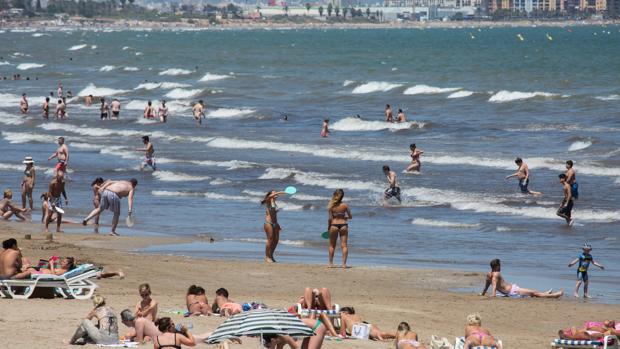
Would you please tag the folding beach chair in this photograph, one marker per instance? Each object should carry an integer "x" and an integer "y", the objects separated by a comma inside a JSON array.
[
  {"x": 460, "y": 344},
  {"x": 333, "y": 314},
  {"x": 74, "y": 284},
  {"x": 609, "y": 342}
]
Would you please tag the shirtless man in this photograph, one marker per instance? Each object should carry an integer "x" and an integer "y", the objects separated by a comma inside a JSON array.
[
  {"x": 111, "y": 193},
  {"x": 8, "y": 209},
  {"x": 88, "y": 100},
  {"x": 163, "y": 112},
  {"x": 523, "y": 174},
  {"x": 494, "y": 278},
  {"x": 116, "y": 108},
  {"x": 23, "y": 104},
  {"x": 388, "y": 113},
  {"x": 401, "y": 116},
  {"x": 199, "y": 112},
  {"x": 62, "y": 155},
  {"x": 46, "y": 108},
  {"x": 393, "y": 190},
  {"x": 104, "y": 109},
  {"x": 149, "y": 111},
  {"x": 571, "y": 179},
  {"x": 11, "y": 261},
  {"x": 149, "y": 151},
  {"x": 61, "y": 110},
  {"x": 566, "y": 207},
  {"x": 348, "y": 318},
  {"x": 56, "y": 189}
]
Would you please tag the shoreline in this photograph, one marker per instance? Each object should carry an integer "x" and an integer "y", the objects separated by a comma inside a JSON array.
[{"x": 384, "y": 296}]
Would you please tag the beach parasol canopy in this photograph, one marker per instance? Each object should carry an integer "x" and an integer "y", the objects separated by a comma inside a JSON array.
[{"x": 259, "y": 322}]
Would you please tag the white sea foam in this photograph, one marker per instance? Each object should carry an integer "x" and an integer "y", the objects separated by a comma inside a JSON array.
[
  {"x": 148, "y": 86},
  {"x": 38, "y": 35},
  {"x": 10, "y": 119},
  {"x": 4, "y": 63},
  {"x": 76, "y": 47},
  {"x": 180, "y": 93},
  {"x": 579, "y": 145},
  {"x": 107, "y": 68},
  {"x": 219, "y": 181},
  {"x": 608, "y": 98},
  {"x": 262, "y": 241},
  {"x": 213, "y": 77},
  {"x": 125, "y": 48},
  {"x": 135, "y": 105},
  {"x": 140, "y": 54},
  {"x": 229, "y": 113},
  {"x": 131, "y": 69},
  {"x": 26, "y": 66},
  {"x": 168, "y": 176},
  {"x": 442, "y": 224},
  {"x": 91, "y": 89},
  {"x": 428, "y": 90},
  {"x": 11, "y": 167},
  {"x": 356, "y": 124},
  {"x": 509, "y": 96},
  {"x": 26, "y": 137},
  {"x": 375, "y": 86},
  {"x": 86, "y": 146},
  {"x": 461, "y": 94},
  {"x": 320, "y": 179},
  {"x": 171, "y": 85},
  {"x": 175, "y": 72},
  {"x": 174, "y": 193},
  {"x": 100, "y": 132},
  {"x": 347, "y": 83},
  {"x": 93, "y": 47}
]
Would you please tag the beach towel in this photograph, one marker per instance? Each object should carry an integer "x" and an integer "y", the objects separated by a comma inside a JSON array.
[
  {"x": 440, "y": 343},
  {"x": 122, "y": 344}
]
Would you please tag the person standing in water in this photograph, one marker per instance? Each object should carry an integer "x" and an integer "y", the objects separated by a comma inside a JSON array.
[
  {"x": 401, "y": 116},
  {"x": 149, "y": 111},
  {"x": 415, "y": 165},
  {"x": 23, "y": 104},
  {"x": 339, "y": 214},
  {"x": 571, "y": 179},
  {"x": 271, "y": 226},
  {"x": 523, "y": 175},
  {"x": 59, "y": 91},
  {"x": 116, "y": 108},
  {"x": 61, "y": 154},
  {"x": 61, "y": 110},
  {"x": 28, "y": 182},
  {"x": 46, "y": 108},
  {"x": 163, "y": 112},
  {"x": 105, "y": 109},
  {"x": 389, "y": 117},
  {"x": 149, "y": 151},
  {"x": 198, "y": 111},
  {"x": 325, "y": 128},
  {"x": 56, "y": 189},
  {"x": 88, "y": 100},
  {"x": 393, "y": 191},
  {"x": 111, "y": 193},
  {"x": 566, "y": 207}
]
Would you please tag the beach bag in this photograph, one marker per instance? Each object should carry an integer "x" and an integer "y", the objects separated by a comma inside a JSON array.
[
  {"x": 360, "y": 331},
  {"x": 440, "y": 343}
]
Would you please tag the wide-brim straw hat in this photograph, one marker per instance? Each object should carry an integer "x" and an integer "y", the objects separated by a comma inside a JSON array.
[{"x": 28, "y": 160}]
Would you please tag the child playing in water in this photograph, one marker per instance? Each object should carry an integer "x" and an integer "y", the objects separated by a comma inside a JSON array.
[
  {"x": 325, "y": 129},
  {"x": 147, "y": 307},
  {"x": 584, "y": 261}
]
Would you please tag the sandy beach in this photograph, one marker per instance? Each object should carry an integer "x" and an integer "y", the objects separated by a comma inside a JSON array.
[{"x": 384, "y": 296}]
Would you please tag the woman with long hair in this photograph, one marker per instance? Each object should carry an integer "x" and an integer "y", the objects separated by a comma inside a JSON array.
[
  {"x": 406, "y": 338},
  {"x": 99, "y": 327},
  {"x": 337, "y": 225},
  {"x": 271, "y": 226},
  {"x": 476, "y": 335},
  {"x": 28, "y": 182},
  {"x": 171, "y": 337},
  {"x": 415, "y": 165}
]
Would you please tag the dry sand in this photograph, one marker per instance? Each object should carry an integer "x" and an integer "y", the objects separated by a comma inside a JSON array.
[{"x": 384, "y": 296}]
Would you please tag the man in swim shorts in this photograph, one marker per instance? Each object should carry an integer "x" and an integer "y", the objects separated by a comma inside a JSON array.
[
  {"x": 111, "y": 193},
  {"x": 61, "y": 154},
  {"x": 46, "y": 108},
  {"x": 523, "y": 175},
  {"x": 394, "y": 190},
  {"x": 149, "y": 151},
  {"x": 566, "y": 207},
  {"x": 61, "y": 109},
  {"x": 56, "y": 188},
  {"x": 116, "y": 108},
  {"x": 389, "y": 117},
  {"x": 198, "y": 111},
  {"x": 23, "y": 104},
  {"x": 494, "y": 278},
  {"x": 104, "y": 109},
  {"x": 571, "y": 179}
]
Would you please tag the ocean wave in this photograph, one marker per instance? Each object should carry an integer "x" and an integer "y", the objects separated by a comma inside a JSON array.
[
  {"x": 179, "y": 93},
  {"x": 509, "y": 96},
  {"x": 11, "y": 167},
  {"x": 442, "y": 224},
  {"x": 263, "y": 241},
  {"x": 219, "y": 181},
  {"x": 101, "y": 132},
  {"x": 125, "y": 48},
  {"x": 168, "y": 176},
  {"x": 167, "y": 193},
  {"x": 347, "y": 83},
  {"x": 428, "y": 90},
  {"x": 107, "y": 68},
  {"x": 26, "y": 137},
  {"x": 9, "y": 119},
  {"x": 86, "y": 146},
  {"x": 93, "y": 47},
  {"x": 460, "y": 94},
  {"x": 320, "y": 180},
  {"x": 171, "y": 85},
  {"x": 579, "y": 145},
  {"x": 608, "y": 98},
  {"x": 91, "y": 89},
  {"x": 175, "y": 72},
  {"x": 131, "y": 69},
  {"x": 4, "y": 63},
  {"x": 356, "y": 124},
  {"x": 26, "y": 66},
  {"x": 76, "y": 47},
  {"x": 147, "y": 86},
  {"x": 213, "y": 77},
  {"x": 229, "y": 113},
  {"x": 375, "y": 86},
  {"x": 38, "y": 35}
]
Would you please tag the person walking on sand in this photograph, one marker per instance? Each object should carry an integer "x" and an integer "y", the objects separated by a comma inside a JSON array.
[
  {"x": 566, "y": 207},
  {"x": 28, "y": 182},
  {"x": 523, "y": 175},
  {"x": 494, "y": 278},
  {"x": 23, "y": 104},
  {"x": 401, "y": 116},
  {"x": 111, "y": 193},
  {"x": 56, "y": 188},
  {"x": 271, "y": 226},
  {"x": 162, "y": 112},
  {"x": 46, "y": 108},
  {"x": 198, "y": 111},
  {"x": 104, "y": 109},
  {"x": 149, "y": 151},
  {"x": 389, "y": 117},
  {"x": 415, "y": 165},
  {"x": 584, "y": 260},
  {"x": 393, "y": 191},
  {"x": 61, "y": 154},
  {"x": 325, "y": 128},
  {"x": 339, "y": 214},
  {"x": 116, "y": 108},
  {"x": 149, "y": 111}
]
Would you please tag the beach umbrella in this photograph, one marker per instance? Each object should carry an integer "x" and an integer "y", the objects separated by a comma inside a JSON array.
[{"x": 259, "y": 322}]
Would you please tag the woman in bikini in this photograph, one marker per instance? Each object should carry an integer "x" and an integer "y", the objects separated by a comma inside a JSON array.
[
  {"x": 476, "y": 335},
  {"x": 325, "y": 128},
  {"x": 406, "y": 338},
  {"x": 271, "y": 226},
  {"x": 66, "y": 264},
  {"x": 196, "y": 300},
  {"x": 105, "y": 328},
  {"x": 348, "y": 318},
  {"x": 147, "y": 306},
  {"x": 338, "y": 215},
  {"x": 591, "y": 330},
  {"x": 170, "y": 337},
  {"x": 415, "y": 165},
  {"x": 28, "y": 182}
]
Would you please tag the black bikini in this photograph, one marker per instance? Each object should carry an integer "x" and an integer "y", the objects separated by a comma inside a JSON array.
[{"x": 168, "y": 345}]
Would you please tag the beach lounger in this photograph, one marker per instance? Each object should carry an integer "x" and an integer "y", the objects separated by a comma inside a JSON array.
[
  {"x": 609, "y": 342},
  {"x": 74, "y": 284},
  {"x": 333, "y": 314},
  {"x": 460, "y": 344}
]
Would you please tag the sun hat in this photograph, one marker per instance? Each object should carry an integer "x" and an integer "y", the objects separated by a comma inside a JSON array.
[{"x": 28, "y": 160}]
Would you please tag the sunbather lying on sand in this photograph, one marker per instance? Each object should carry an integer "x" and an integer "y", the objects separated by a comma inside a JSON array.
[
  {"x": 319, "y": 299},
  {"x": 590, "y": 330},
  {"x": 225, "y": 306},
  {"x": 348, "y": 318},
  {"x": 196, "y": 300},
  {"x": 272, "y": 341},
  {"x": 494, "y": 278},
  {"x": 476, "y": 335},
  {"x": 406, "y": 338}
]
